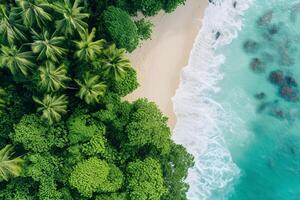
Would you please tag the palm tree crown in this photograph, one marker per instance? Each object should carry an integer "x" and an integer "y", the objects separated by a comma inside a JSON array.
[
  {"x": 9, "y": 167},
  {"x": 52, "y": 78},
  {"x": 33, "y": 12},
  {"x": 48, "y": 46},
  {"x": 11, "y": 28},
  {"x": 72, "y": 17},
  {"x": 2, "y": 99},
  {"x": 52, "y": 107},
  {"x": 15, "y": 60},
  {"x": 114, "y": 62},
  {"x": 87, "y": 48},
  {"x": 91, "y": 89}
]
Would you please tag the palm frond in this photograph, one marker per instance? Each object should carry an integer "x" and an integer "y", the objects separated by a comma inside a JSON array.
[
  {"x": 48, "y": 46},
  {"x": 52, "y": 107},
  {"x": 11, "y": 27},
  {"x": 9, "y": 168},
  {"x": 91, "y": 88},
  {"x": 114, "y": 63},
  {"x": 72, "y": 17},
  {"x": 16, "y": 60},
  {"x": 34, "y": 12},
  {"x": 51, "y": 78},
  {"x": 87, "y": 49}
]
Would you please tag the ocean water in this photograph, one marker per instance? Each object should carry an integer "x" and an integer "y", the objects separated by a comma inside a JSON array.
[{"x": 238, "y": 104}]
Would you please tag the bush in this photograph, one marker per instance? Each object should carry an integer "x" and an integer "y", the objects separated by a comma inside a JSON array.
[
  {"x": 32, "y": 134},
  {"x": 89, "y": 176},
  {"x": 171, "y": 5},
  {"x": 126, "y": 85},
  {"x": 121, "y": 28},
  {"x": 144, "y": 29},
  {"x": 149, "y": 7},
  {"x": 145, "y": 180}
]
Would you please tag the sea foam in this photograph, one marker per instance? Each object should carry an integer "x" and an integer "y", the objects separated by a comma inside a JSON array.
[{"x": 200, "y": 119}]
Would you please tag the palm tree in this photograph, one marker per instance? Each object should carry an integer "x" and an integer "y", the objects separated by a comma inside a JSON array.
[
  {"x": 9, "y": 167},
  {"x": 11, "y": 28},
  {"x": 72, "y": 17},
  {"x": 87, "y": 48},
  {"x": 91, "y": 89},
  {"x": 48, "y": 46},
  {"x": 33, "y": 12},
  {"x": 52, "y": 78},
  {"x": 16, "y": 60},
  {"x": 114, "y": 63},
  {"x": 52, "y": 107},
  {"x": 2, "y": 98}
]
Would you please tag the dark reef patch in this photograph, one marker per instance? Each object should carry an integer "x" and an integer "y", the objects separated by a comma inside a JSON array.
[
  {"x": 257, "y": 65},
  {"x": 277, "y": 77},
  {"x": 265, "y": 19},
  {"x": 260, "y": 96},
  {"x": 250, "y": 46}
]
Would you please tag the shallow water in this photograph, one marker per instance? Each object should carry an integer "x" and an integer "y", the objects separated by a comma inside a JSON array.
[{"x": 264, "y": 140}]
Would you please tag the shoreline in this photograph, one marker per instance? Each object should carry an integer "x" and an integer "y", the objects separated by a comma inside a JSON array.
[
  {"x": 159, "y": 61},
  {"x": 201, "y": 119}
]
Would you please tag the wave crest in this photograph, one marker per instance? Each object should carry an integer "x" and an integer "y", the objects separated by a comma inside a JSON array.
[{"x": 200, "y": 119}]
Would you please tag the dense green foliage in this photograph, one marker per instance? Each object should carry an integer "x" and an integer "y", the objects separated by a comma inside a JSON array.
[
  {"x": 64, "y": 72},
  {"x": 144, "y": 29},
  {"x": 145, "y": 180},
  {"x": 121, "y": 28}
]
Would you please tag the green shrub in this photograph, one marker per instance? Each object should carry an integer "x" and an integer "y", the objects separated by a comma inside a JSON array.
[
  {"x": 145, "y": 180},
  {"x": 144, "y": 29},
  {"x": 121, "y": 28},
  {"x": 149, "y": 7},
  {"x": 89, "y": 176},
  {"x": 171, "y": 5},
  {"x": 126, "y": 85}
]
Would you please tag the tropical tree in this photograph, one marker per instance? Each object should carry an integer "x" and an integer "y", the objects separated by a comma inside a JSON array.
[
  {"x": 34, "y": 12},
  {"x": 121, "y": 28},
  {"x": 52, "y": 107},
  {"x": 91, "y": 89},
  {"x": 11, "y": 28},
  {"x": 52, "y": 78},
  {"x": 16, "y": 60},
  {"x": 114, "y": 63},
  {"x": 72, "y": 17},
  {"x": 48, "y": 46},
  {"x": 2, "y": 98},
  {"x": 9, "y": 167},
  {"x": 87, "y": 48}
]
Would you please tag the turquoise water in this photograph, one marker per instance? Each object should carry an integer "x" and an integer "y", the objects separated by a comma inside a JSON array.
[{"x": 264, "y": 139}]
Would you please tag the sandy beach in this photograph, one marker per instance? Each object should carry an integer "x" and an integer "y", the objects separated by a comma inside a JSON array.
[{"x": 159, "y": 61}]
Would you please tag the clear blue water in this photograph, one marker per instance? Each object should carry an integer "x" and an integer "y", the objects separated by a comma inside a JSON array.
[{"x": 265, "y": 141}]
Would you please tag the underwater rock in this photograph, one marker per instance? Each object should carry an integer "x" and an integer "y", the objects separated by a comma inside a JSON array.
[
  {"x": 250, "y": 46},
  {"x": 291, "y": 81},
  {"x": 234, "y": 4},
  {"x": 289, "y": 93},
  {"x": 279, "y": 113},
  {"x": 218, "y": 34},
  {"x": 277, "y": 77},
  {"x": 273, "y": 29},
  {"x": 265, "y": 19},
  {"x": 260, "y": 96},
  {"x": 257, "y": 65}
]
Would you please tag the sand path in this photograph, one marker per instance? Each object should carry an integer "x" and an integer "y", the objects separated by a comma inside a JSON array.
[{"x": 159, "y": 61}]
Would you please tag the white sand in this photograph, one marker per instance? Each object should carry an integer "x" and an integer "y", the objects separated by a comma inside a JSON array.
[{"x": 159, "y": 61}]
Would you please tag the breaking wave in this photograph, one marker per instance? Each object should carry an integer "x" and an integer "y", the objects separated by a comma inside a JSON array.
[{"x": 201, "y": 119}]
